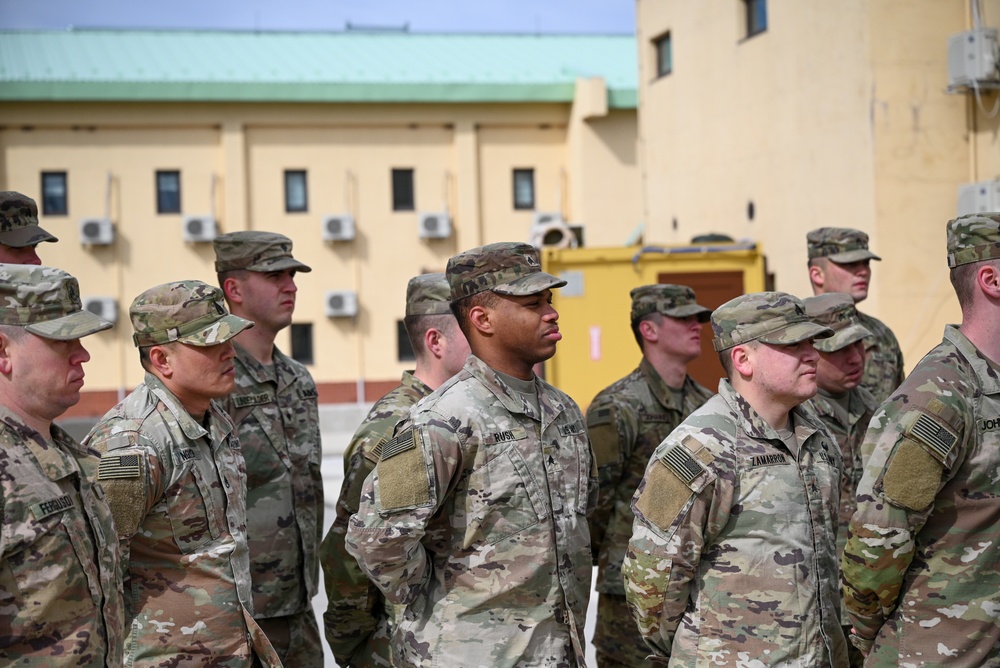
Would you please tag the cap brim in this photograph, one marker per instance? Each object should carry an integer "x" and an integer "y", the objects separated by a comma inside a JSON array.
[
  {"x": 218, "y": 332},
  {"x": 704, "y": 314},
  {"x": 843, "y": 338},
  {"x": 280, "y": 264},
  {"x": 796, "y": 333},
  {"x": 529, "y": 285},
  {"x": 29, "y": 235},
  {"x": 853, "y": 256},
  {"x": 73, "y": 326}
]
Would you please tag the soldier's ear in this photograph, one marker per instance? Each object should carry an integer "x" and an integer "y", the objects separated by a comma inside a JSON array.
[
  {"x": 481, "y": 320},
  {"x": 160, "y": 361},
  {"x": 432, "y": 341},
  {"x": 647, "y": 330},
  {"x": 742, "y": 360},
  {"x": 5, "y": 361},
  {"x": 988, "y": 279},
  {"x": 233, "y": 290},
  {"x": 816, "y": 275}
]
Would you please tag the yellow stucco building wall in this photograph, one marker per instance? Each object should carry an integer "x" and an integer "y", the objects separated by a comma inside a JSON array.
[
  {"x": 836, "y": 115},
  {"x": 232, "y": 158}
]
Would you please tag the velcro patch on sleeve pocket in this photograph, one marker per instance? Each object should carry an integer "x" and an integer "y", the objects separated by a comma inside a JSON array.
[
  {"x": 672, "y": 481},
  {"x": 403, "y": 479},
  {"x": 912, "y": 478},
  {"x": 602, "y": 427},
  {"x": 121, "y": 475}
]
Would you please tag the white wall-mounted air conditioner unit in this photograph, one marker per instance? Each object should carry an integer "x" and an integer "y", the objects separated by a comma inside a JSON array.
[
  {"x": 97, "y": 232},
  {"x": 981, "y": 197},
  {"x": 338, "y": 227},
  {"x": 972, "y": 57},
  {"x": 102, "y": 307},
  {"x": 553, "y": 234},
  {"x": 435, "y": 226},
  {"x": 546, "y": 217},
  {"x": 199, "y": 228},
  {"x": 341, "y": 303}
]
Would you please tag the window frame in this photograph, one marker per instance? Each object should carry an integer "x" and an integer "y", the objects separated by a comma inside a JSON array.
[
  {"x": 48, "y": 210},
  {"x": 296, "y": 332},
  {"x": 530, "y": 173},
  {"x": 754, "y": 9},
  {"x": 664, "y": 39},
  {"x": 398, "y": 187},
  {"x": 161, "y": 207},
  {"x": 404, "y": 347},
  {"x": 304, "y": 174}
]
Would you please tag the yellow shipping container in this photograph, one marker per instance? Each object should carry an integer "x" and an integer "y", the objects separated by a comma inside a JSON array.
[{"x": 598, "y": 347}]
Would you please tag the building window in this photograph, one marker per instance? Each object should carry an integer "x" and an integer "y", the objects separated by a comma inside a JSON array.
[
  {"x": 524, "y": 189},
  {"x": 54, "y": 197},
  {"x": 302, "y": 343},
  {"x": 404, "y": 351},
  {"x": 664, "y": 55},
  {"x": 168, "y": 192},
  {"x": 756, "y": 16},
  {"x": 296, "y": 194},
  {"x": 402, "y": 190}
]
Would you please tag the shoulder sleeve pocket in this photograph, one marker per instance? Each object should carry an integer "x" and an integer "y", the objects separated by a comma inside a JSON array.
[{"x": 403, "y": 479}]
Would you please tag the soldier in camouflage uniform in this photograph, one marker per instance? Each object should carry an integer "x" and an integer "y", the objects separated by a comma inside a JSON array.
[
  {"x": 19, "y": 230},
  {"x": 732, "y": 560},
  {"x": 839, "y": 261},
  {"x": 626, "y": 422},
  {"x": 357, "y": 620},
  {"x": 274, "y": 408},
  {"x": 176, "y": 483},
  {"x": 60, "y": 591},
  {"x": 842, "y": 404},
  {"x": 475, "y": 518},
  {"x": 920, "y": 566}
]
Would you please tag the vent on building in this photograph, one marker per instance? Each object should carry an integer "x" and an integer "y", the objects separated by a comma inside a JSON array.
[
  {"x": 435, "y": 226},
  {"x": 199, "y": 228},
  {"x": 341, "y": 304},
  {"x": 102, "y": 307},
  {"x": 980, "y": 197},
  {"x": 97, "y": 231},
  {"x": 972, "y": 57},
  {"x": 338, "y": 228}
]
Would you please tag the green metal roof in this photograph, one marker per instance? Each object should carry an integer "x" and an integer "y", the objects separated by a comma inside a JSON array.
[{"x": 163, "y": 65}]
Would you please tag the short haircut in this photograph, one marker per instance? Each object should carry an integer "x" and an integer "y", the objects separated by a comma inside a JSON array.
[
  {"x": 144, "y": 358},
  {"x": 658, "y": 317},
  {"x": 963, "y": 279},
  {"x": 462, "y": 307},
  {"x": 238, "y": 274},
  {"x": 726, "y": 360},
  {"x": 417, "y": 327},
  {"x": 13, "y": 332}
]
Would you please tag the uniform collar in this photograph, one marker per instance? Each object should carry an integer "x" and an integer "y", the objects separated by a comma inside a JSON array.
[
  {"x": 219, "y": 428},
  {"x": 55, "y": 462},
  {"x": 989, "y": 378}
]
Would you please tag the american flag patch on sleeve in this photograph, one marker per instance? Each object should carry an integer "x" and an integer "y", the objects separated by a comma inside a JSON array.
[{"x": 118, "y": 466}]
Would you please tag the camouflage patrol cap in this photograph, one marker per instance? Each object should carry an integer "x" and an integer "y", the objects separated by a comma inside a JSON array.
[
  {"x": 255, "y": 251},
  {"x": 187, "y": 311},
  {"x": 836, "y": 311},
  {"x": 973, "y": 238},
  {"x": 428, "y": 294},
  {"x": 507, "y": 268},
  {"x": 839, "y": 244},
  {"x": 45, "y": 301},
  {"x": 19, "y": 221},
  {"x": 675, "y": 301},
  {"x": 777, "y": 318}
]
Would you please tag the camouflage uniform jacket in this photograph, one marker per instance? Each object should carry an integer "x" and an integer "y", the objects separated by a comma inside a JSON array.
[
  {"x": 733, "y": 558},
  {"x": 356, "y": 620},
  {"x": 626, "y": 421},
  {"x": 60, "y": 593},
  {"x": 476, "y": 519},
  {"x": 921, "y": 571},
  {"x": 277, "y": 421},
  {"x": 177, "y": 491},
  {"x": 883, "y": 359},
  {"x": 849, "y": 436}
]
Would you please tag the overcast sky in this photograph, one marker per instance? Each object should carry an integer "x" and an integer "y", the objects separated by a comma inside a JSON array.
[{"x": 517, "y": 16}]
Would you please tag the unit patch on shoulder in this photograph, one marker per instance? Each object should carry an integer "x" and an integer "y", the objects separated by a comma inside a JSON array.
[
  {"x": 244, "y": 400},
  {"x": 118, "y": 466},
  {"x": 934, "y": 435},
  {"x": 398, "y": 445},
  {"x": 679, "y": 460}
]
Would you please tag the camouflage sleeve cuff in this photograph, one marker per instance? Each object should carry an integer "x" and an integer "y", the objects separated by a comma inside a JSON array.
[{"x": 864, "y": 645}]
